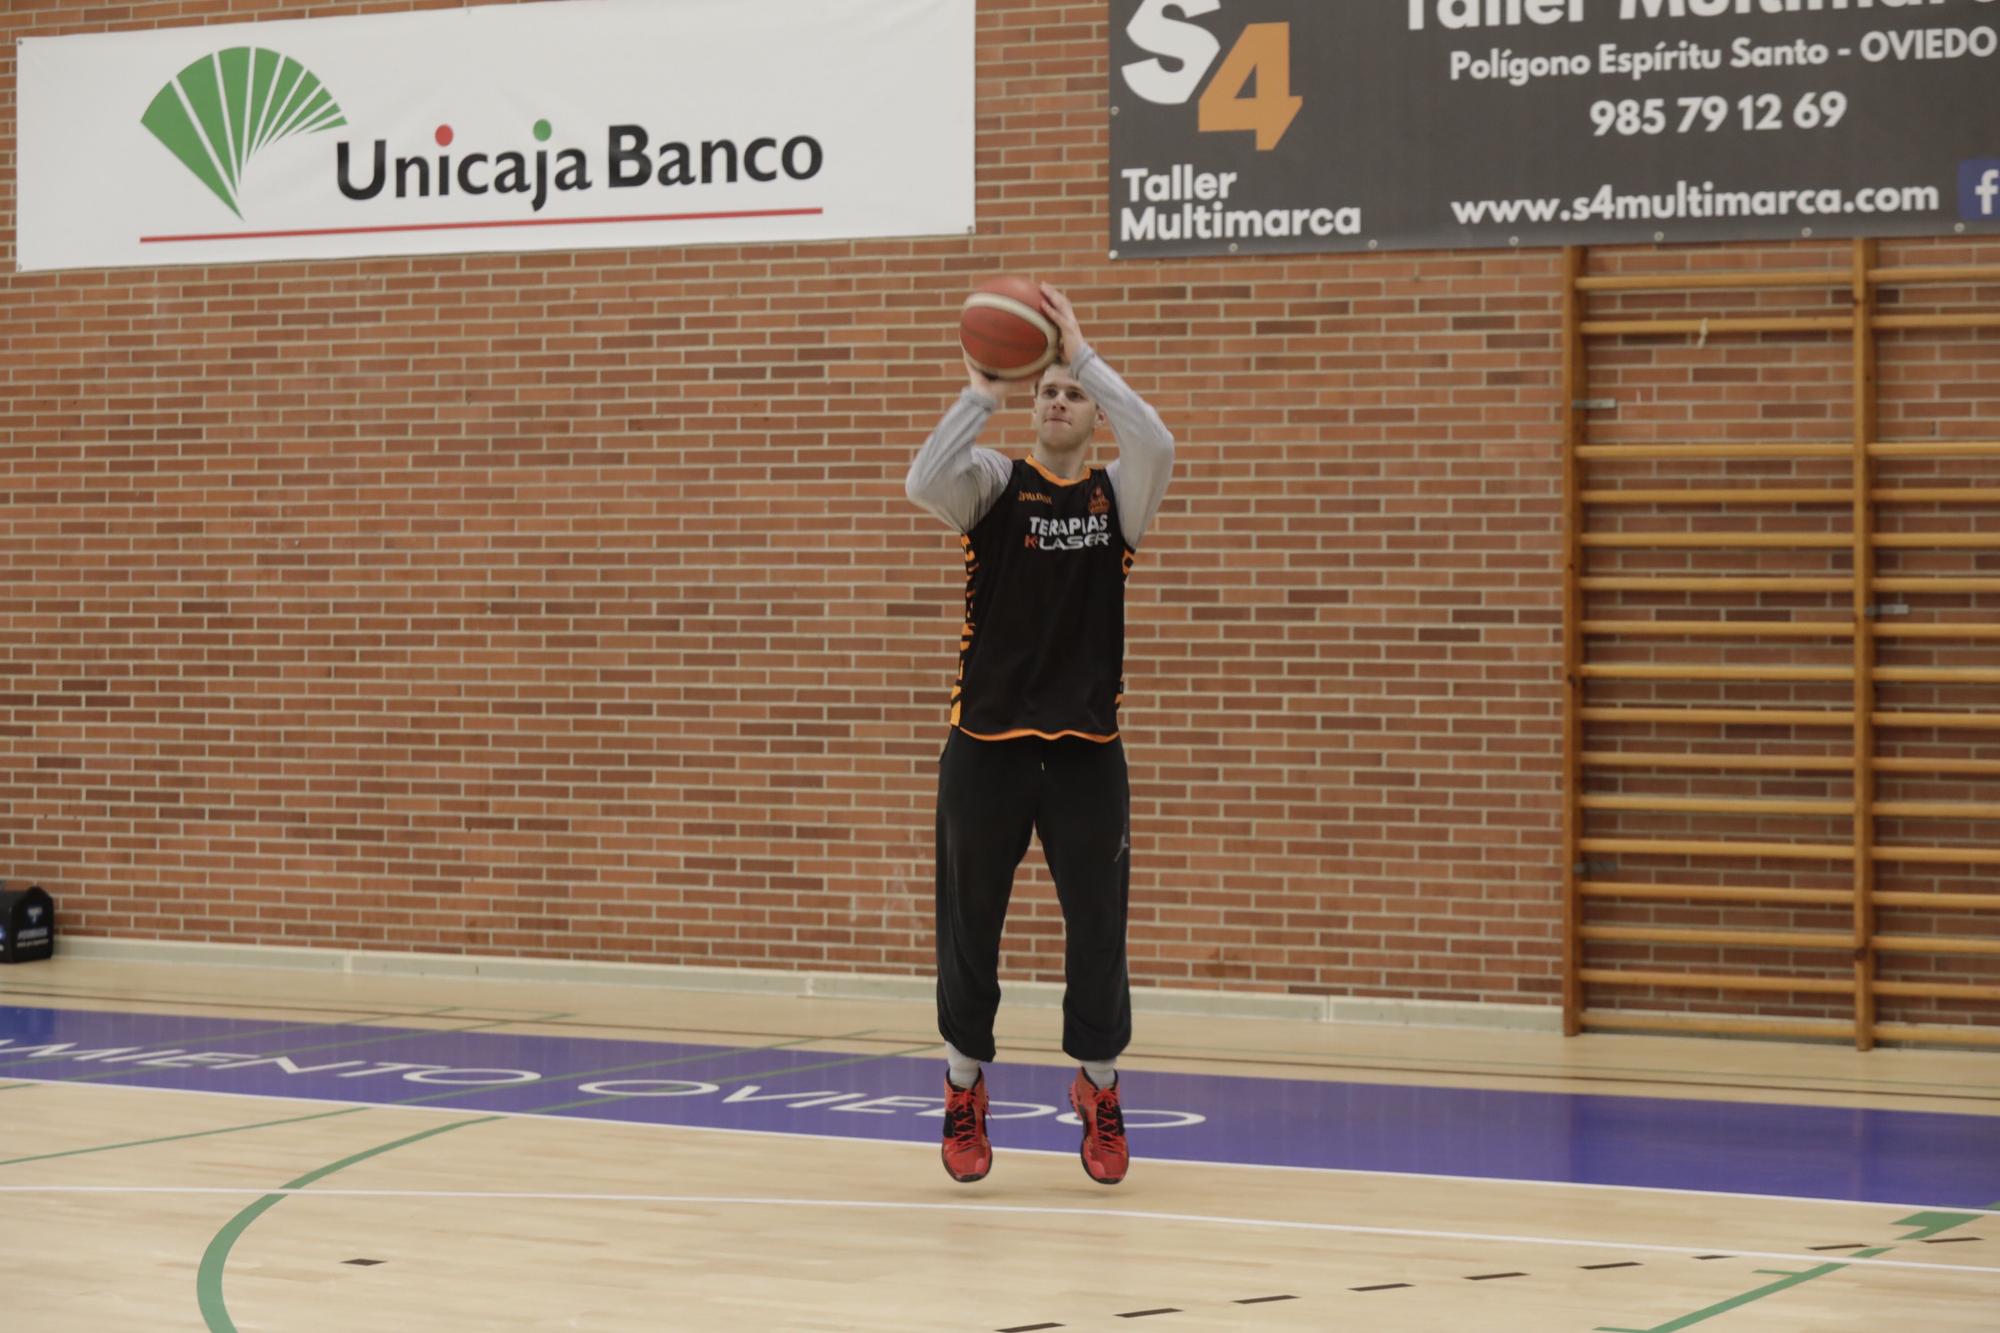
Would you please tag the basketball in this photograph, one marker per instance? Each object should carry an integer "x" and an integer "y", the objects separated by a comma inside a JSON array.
[{"x": 1003, "y": 330}]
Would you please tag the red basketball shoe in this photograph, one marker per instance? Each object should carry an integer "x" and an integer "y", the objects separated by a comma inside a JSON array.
[
  {"x": 1104, "y": 1155},
  {"x": 967, "y": 1154}
]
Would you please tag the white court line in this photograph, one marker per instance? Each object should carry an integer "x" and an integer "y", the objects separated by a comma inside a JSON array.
[
  {"x": 930, "y": 1145},
  {"x": 1093, "y": 1214}
]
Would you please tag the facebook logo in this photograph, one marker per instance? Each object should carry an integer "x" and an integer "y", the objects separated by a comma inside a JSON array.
[{"x": 1979, "y": 189}]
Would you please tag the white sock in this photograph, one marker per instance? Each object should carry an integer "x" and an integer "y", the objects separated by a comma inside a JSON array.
[
  {"x": 1104, "y": 1075},
  {"x": 964, "y": 1069}
]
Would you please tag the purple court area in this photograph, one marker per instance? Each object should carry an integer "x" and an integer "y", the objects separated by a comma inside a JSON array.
[{"x": 1900, "y": 1157}]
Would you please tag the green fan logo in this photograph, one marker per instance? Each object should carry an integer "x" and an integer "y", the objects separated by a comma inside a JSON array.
[{"x": 218, "y": 112}]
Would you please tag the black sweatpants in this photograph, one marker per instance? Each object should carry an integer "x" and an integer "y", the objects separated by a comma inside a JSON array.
[{"x": 991, "y": 795}]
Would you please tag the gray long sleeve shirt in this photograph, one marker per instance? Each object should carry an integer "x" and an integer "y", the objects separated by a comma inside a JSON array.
[{"x": 954, "y": 479}]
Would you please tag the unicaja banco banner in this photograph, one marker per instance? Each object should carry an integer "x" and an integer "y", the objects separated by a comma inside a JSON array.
[{"x": 569, "y": 125}]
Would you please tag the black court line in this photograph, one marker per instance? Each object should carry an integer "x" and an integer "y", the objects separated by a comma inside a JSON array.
[
  {"x": 1476, "y": 1277},
  {"x": 364, "y": 1263},
  {"x": 1141, "y": 1314}
]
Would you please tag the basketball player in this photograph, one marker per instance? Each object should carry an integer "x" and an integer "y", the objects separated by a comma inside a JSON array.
[{"x": 1033, "y": 745}]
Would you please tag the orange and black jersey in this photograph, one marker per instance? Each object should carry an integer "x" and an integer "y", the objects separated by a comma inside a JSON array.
[
  {"x": 1043, "y": 649},
  {"x": 1044, "y": 643}
]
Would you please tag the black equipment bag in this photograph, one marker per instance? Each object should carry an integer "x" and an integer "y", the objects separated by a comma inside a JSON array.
[{"x": 27, "y": 924}]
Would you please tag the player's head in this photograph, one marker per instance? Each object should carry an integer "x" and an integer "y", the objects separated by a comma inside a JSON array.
[{"x": 1065, "y": 413}]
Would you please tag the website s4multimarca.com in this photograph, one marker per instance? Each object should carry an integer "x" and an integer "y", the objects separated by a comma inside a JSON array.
[{"x": 1693, "y": 201}]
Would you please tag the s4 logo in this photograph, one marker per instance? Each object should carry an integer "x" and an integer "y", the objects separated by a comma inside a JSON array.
[{"x": 1262, "y": 53}]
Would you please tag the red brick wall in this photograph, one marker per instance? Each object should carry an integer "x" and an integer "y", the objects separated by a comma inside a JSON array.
[{"x": 568, "y": 605}]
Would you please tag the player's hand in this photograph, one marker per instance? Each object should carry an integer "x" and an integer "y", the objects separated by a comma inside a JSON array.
[
  {"x": 983, "y": 382},
  {"x": 1057, "y": 307}
]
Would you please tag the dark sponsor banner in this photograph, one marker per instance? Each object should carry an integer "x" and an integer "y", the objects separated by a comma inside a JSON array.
[{"x": 1302, "y": 125}]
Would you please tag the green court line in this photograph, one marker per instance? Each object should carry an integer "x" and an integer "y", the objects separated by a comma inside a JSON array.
[
  {"x": 1724, "y": 1307},
  {"x": 423, "y": 1099},
  {"x": 1929, "y": 1224},
  {"x": 1925, "y": 1224},
  {"x": 208, "y": 1280},
  {"x": 176, "y": 1138}
]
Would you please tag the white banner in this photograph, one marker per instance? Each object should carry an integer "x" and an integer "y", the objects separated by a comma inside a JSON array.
[{"x": 558, "y": 126}]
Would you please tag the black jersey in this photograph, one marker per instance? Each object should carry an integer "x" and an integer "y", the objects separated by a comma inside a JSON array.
[{"x": 1043, "y": 649}]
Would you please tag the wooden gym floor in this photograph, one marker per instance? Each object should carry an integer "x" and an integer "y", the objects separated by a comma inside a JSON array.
[{"x": 199, "y": 1147}]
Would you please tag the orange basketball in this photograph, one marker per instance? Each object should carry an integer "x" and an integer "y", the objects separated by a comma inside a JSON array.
[{"x": 1003, "y": 330}]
